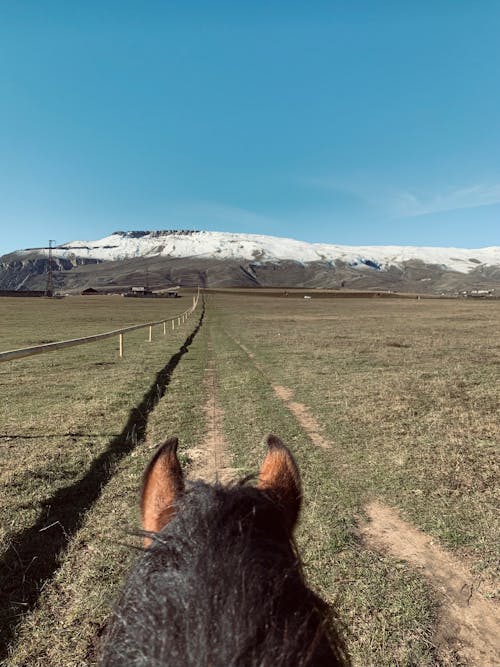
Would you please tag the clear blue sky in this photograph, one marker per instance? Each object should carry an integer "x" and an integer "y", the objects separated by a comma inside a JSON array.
[{"x": 345, "y": 122}]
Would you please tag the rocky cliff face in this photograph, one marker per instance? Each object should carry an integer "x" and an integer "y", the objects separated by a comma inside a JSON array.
[{"x": 29, "y": 271}]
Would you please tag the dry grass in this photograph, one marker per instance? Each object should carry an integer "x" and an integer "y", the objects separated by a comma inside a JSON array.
[
  {"x": 73, "y": 443},
  {"x": 406, "y": 393},
  {"x": 34, "y": 321}
]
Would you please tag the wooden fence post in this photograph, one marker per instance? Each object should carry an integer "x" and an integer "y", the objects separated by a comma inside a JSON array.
[
  {"x": 150, "y": 334},
  {"x": 164, "y": 328},
  {"x": 120, "y": 345}
]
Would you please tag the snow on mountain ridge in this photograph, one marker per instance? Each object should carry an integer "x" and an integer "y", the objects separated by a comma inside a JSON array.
[{"x": 254, "y": 247}]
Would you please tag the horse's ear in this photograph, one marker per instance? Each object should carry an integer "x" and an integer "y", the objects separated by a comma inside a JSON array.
[
  {"x": 163, "y": 483},
  {"x": 280, "y": 475}
]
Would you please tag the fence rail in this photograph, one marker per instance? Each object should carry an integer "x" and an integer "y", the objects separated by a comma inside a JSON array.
[{"x": 10, "y": 355}]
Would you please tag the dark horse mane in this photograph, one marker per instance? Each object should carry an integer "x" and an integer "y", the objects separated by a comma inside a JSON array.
[{"x": 221, "y": 585}]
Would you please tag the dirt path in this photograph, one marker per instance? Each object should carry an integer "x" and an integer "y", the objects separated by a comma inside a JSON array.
[
  {"x": 469, "y": 624},
  {"x": 303, "y": 416},
  {"x": 211, "y": 462}
]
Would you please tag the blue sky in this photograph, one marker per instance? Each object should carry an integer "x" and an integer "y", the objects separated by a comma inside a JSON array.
[{"x": 345, "y": 122}]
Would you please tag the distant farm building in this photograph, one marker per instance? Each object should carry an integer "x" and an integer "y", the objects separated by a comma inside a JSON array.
[
  {"x": 90, "y": 291},
  {"x": 481, "y": 293},
  {"x": 139, "y": 292}
]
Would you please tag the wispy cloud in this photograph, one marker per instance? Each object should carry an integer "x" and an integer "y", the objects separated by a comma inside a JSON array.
[
  {"x": 217, "y": 213},
  {"x": 408, "y": 205}
]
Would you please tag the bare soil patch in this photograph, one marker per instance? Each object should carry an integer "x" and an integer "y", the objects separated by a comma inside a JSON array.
[
  {"x": 303, "y": 415},
  {"x": 211, "y": 463},
  {"x": 469, "y": 624}
]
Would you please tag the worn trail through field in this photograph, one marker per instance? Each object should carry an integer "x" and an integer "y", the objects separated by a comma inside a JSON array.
[
  {"x": 469, "y": 624},
  {"x": 211, "y": 462}
]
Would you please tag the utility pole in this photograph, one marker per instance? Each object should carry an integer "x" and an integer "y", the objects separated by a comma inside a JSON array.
[{"x": 49, "y": 289}]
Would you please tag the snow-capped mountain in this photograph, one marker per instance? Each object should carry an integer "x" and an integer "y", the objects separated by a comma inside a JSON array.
[
  {"x": 254, "y": 247},
  {"x": 228, "y": 259}
]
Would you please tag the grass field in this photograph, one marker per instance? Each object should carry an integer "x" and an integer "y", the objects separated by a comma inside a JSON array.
[{"x": 401, "y": 395}]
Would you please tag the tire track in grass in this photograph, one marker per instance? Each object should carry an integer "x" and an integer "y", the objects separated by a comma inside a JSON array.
[
  {"x": 303, "y": 415},
  {"x": 211, "y": 462},
  {"x": 300, "y": 411},
  {"x": 469, "y": 624},
  {"x": 35, "y": 553}
]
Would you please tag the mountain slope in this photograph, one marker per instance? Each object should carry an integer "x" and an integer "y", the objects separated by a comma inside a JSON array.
[{"x": 225, "y": 259}]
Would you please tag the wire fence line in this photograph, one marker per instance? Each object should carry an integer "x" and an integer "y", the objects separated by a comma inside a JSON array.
[{"x": 11, "y": 355}]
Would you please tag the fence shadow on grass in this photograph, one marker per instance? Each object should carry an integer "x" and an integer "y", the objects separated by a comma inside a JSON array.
[{"x": 35, "y": 553}]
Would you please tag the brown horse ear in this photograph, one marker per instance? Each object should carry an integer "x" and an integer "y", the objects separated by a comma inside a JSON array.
[
  {"x": 162, "y": 484},
  {"x": 280, "y": 475}
]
